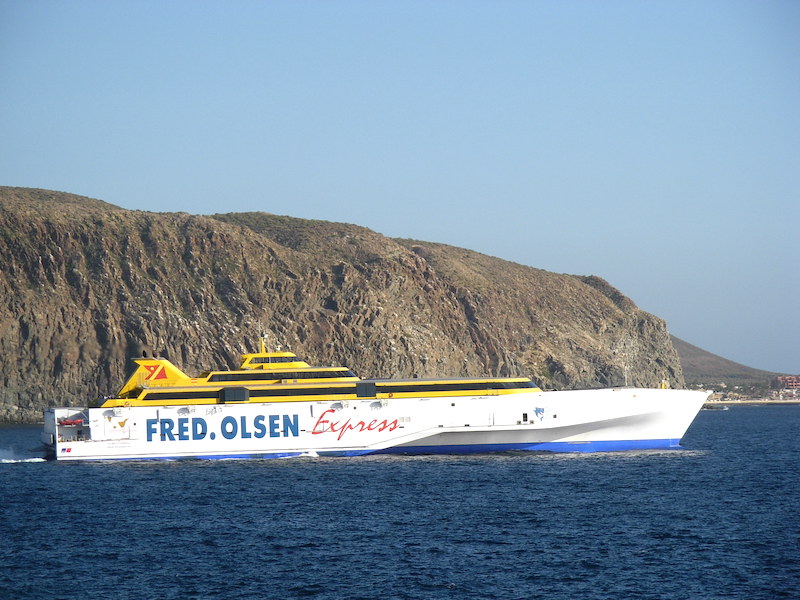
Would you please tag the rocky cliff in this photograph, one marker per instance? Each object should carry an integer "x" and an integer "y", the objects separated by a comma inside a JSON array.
[{"x": 86, "y": 285}]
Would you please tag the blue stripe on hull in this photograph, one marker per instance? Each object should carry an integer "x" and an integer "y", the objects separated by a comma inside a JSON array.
[
  {"x": 347, "y": 452},
  {"x": 598, "y": 446},
  {"x": 198, "y": 456}
]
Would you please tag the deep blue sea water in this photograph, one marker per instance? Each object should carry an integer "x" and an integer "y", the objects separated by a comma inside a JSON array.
[{"x": 718, "y": 519}]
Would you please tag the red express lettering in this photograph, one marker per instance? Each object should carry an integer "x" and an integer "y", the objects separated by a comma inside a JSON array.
[{"x": 326, "y": 425}]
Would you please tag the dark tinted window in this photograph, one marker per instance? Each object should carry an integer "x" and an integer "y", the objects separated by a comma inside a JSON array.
[{"x": 273, "y": 375}]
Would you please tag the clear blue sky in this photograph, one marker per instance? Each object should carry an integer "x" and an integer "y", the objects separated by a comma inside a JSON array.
[{"x": 655, "y": 144}]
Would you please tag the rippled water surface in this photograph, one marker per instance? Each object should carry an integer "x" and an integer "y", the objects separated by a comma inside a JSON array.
[{"x": 718, "y": 519}]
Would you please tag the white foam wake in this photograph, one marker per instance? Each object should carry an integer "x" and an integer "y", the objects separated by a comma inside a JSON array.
[{"x": 10, "y": 455}]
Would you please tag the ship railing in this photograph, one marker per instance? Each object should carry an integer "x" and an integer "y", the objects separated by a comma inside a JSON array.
[
  {"x": 153, "y": 383},
  {"x": 159, "y": 383}
]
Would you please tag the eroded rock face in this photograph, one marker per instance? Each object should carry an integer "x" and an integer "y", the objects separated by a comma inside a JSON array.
[{"x": 85, "y": 286}]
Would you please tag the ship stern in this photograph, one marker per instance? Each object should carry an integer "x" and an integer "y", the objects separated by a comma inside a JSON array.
[
  {"x": 63, "y": 425},
  {"x": 50, "y": 432}
]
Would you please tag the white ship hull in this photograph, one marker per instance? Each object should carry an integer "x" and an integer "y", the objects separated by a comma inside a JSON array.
[{"x": 568, "y": 421}]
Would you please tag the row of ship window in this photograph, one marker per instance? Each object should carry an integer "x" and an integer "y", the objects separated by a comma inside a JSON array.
[
  {"x": 277, "y": 375},
  {"x": 362, "y": 389}
]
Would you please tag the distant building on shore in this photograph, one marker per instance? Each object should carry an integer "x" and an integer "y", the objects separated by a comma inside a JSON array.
[{"x": 789, "y": 382}]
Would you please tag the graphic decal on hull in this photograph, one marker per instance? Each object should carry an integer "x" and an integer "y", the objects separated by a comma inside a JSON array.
[
  {"x": 326, "y": 425},
  {"x": 196, "y": 428}
]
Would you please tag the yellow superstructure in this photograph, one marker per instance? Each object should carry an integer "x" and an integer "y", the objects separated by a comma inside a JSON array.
[{"x": 282, "y": 377}]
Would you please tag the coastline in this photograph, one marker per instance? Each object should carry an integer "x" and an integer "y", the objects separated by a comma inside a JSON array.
[{"x": 713, "y": 403}]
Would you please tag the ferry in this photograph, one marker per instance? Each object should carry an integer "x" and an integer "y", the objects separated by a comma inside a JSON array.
[{"x": 276, "y": 405}]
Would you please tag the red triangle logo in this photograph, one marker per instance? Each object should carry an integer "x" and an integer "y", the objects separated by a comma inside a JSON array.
[{"x": 156, "y": 372}]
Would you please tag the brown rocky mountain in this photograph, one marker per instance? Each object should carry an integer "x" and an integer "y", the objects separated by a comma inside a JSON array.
[{"x": 86, "y": 285}]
